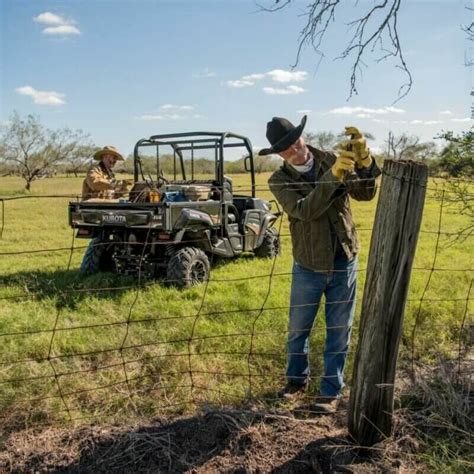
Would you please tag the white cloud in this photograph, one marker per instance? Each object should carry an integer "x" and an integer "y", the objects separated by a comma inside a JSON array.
[
  {"x": 279, "y": 75},
  {"x": 394, "y": 110},
  {"x": 49, "y": 18},
  {"x": 253, "y": 77},
  {"x": 149, "y": 117},
  {"x": 467, "y": 119},
  {"x": 42, "y": 97},
  {"x": 276, "y": 75},
  {"x": 62, "y": 30},
  {"x": 363, "y": 115},
  {"x": 365, "y": 110},
  {"x": 171, "y": 115},
  {"x": 304, "y": 111},
  {"x": 240, "y": 83},
  {"x": 58, "y": 25},
  {"x": 446, "y": 112},
  {"x": 176, "y": 107},
  {"x": 425, "y": 122},
  {"x": 345, "y": 110},
  {"x": 286, "y": 91}
]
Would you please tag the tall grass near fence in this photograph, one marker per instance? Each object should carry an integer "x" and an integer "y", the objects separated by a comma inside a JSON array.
[{"x": 74, "y": 347}]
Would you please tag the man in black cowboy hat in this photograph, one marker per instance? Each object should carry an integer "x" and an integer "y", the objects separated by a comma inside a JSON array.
[{"x": 313, "y": 187}]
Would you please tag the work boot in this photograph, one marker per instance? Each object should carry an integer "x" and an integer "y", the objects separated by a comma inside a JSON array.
[
  {"x": 292, "y": 390},
  {"x": 326, "y": 404},
  {"x": 327, "y": 400}
]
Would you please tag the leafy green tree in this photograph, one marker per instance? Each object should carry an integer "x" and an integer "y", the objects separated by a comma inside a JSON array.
[
  {"x": 457, "y": 157},
  {"x": 456, "y": 160}
]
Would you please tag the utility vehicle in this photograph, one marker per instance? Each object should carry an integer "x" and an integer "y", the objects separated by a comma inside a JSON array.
[{"x": 175, "y": 225}]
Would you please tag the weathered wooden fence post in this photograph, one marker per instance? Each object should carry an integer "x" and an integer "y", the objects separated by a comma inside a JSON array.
[{"x": 392, "y": 249}]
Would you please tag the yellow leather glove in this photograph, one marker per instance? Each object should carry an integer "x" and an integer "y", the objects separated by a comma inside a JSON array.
[
  {"x": 359, "y": 146},
  {"x": 344, "y": 162}
]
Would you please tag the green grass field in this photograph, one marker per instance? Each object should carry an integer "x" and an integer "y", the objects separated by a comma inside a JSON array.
[{"x": 165, "y": 325}]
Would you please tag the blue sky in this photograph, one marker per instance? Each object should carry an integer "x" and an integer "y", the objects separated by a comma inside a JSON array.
[{"x": 124, "y": 70}]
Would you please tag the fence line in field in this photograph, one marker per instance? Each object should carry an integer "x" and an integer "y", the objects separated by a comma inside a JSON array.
[{"x": 191, "y": 372}]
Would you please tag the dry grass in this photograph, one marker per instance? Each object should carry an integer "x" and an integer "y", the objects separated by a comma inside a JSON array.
[
  {"x": 432, "y": 433},
  {"x": 436, "y": 417}
]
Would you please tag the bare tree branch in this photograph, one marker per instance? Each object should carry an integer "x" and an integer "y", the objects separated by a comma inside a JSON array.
[
  {"x": 469, "y": 29},
  {"x": 36, "y": 152},
  {"x": 275, "y": 8},
  {"x": 379, "y": 22},
  {"x": 406, "y": 146}
]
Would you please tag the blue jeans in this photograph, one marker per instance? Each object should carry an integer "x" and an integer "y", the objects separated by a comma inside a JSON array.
[{"x": 307, "y": 288}]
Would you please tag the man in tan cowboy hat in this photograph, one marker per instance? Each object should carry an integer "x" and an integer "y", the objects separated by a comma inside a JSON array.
[{"x": 100, "y": 181}]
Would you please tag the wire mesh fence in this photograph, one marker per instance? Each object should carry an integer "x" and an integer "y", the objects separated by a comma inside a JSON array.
[{"x": 79, "y": 347}]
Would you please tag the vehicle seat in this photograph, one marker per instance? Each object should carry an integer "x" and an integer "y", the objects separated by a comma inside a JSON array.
[
  {"x": 233, "y": 216},
  {"x": 227, "y": 189}
]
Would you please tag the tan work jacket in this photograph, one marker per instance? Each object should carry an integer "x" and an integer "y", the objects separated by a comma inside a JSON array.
[
  {"x": 99, "y": 183},
  {"x": 314, "y": 208}
]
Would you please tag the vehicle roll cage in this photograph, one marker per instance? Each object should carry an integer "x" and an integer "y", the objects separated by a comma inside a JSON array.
[{"x": 192, "y": 141}]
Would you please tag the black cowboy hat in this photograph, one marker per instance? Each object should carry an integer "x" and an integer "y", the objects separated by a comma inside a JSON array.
[{"x": 281, "y": 133}]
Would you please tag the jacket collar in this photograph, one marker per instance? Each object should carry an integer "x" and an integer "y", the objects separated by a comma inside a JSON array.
[
  {"x": 105, "y": 170},
  {"x": 320, "y": 158},
  {"x": 289, "y": 170}
]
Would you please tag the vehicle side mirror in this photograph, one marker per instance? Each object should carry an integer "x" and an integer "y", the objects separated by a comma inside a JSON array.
[{"x": 247, "y": 164}]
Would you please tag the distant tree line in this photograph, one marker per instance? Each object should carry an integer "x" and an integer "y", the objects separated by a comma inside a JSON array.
[
  {"x": 201, "y": 166},
  {"x": 31, "y": 151}
]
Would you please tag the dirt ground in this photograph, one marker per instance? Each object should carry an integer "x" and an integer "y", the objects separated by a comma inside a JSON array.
[{"x": 230, "y": 441}]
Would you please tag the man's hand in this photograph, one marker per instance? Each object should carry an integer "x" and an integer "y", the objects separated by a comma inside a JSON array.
[
  {"x": 359, "y": 146},
  {"x": 344, "y": 162},
  {"x": 122, "y": 184}
]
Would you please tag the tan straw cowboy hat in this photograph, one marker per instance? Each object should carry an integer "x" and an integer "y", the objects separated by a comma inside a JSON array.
[{"x": 109, "y": 149}]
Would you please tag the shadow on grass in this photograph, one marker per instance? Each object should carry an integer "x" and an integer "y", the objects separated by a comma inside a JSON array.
[{"x": 69, "y": 287}]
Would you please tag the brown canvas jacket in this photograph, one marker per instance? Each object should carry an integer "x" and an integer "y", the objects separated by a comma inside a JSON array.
[
  {"x": 99, "y": 183},
  {"x": 311, "y": 208}
]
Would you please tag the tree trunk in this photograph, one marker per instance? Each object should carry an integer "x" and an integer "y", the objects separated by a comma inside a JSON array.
[{"x": 392, "y": 250}]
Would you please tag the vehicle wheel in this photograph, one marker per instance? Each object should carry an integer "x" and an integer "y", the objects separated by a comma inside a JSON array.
[
  {"x": 188, "y": 266},
  {"x": 98, "y": 258},
  {"x": 270, "y": 246}
]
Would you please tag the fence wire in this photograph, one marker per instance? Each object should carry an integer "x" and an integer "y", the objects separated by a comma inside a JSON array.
[{"x": 142, "y": 355}]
